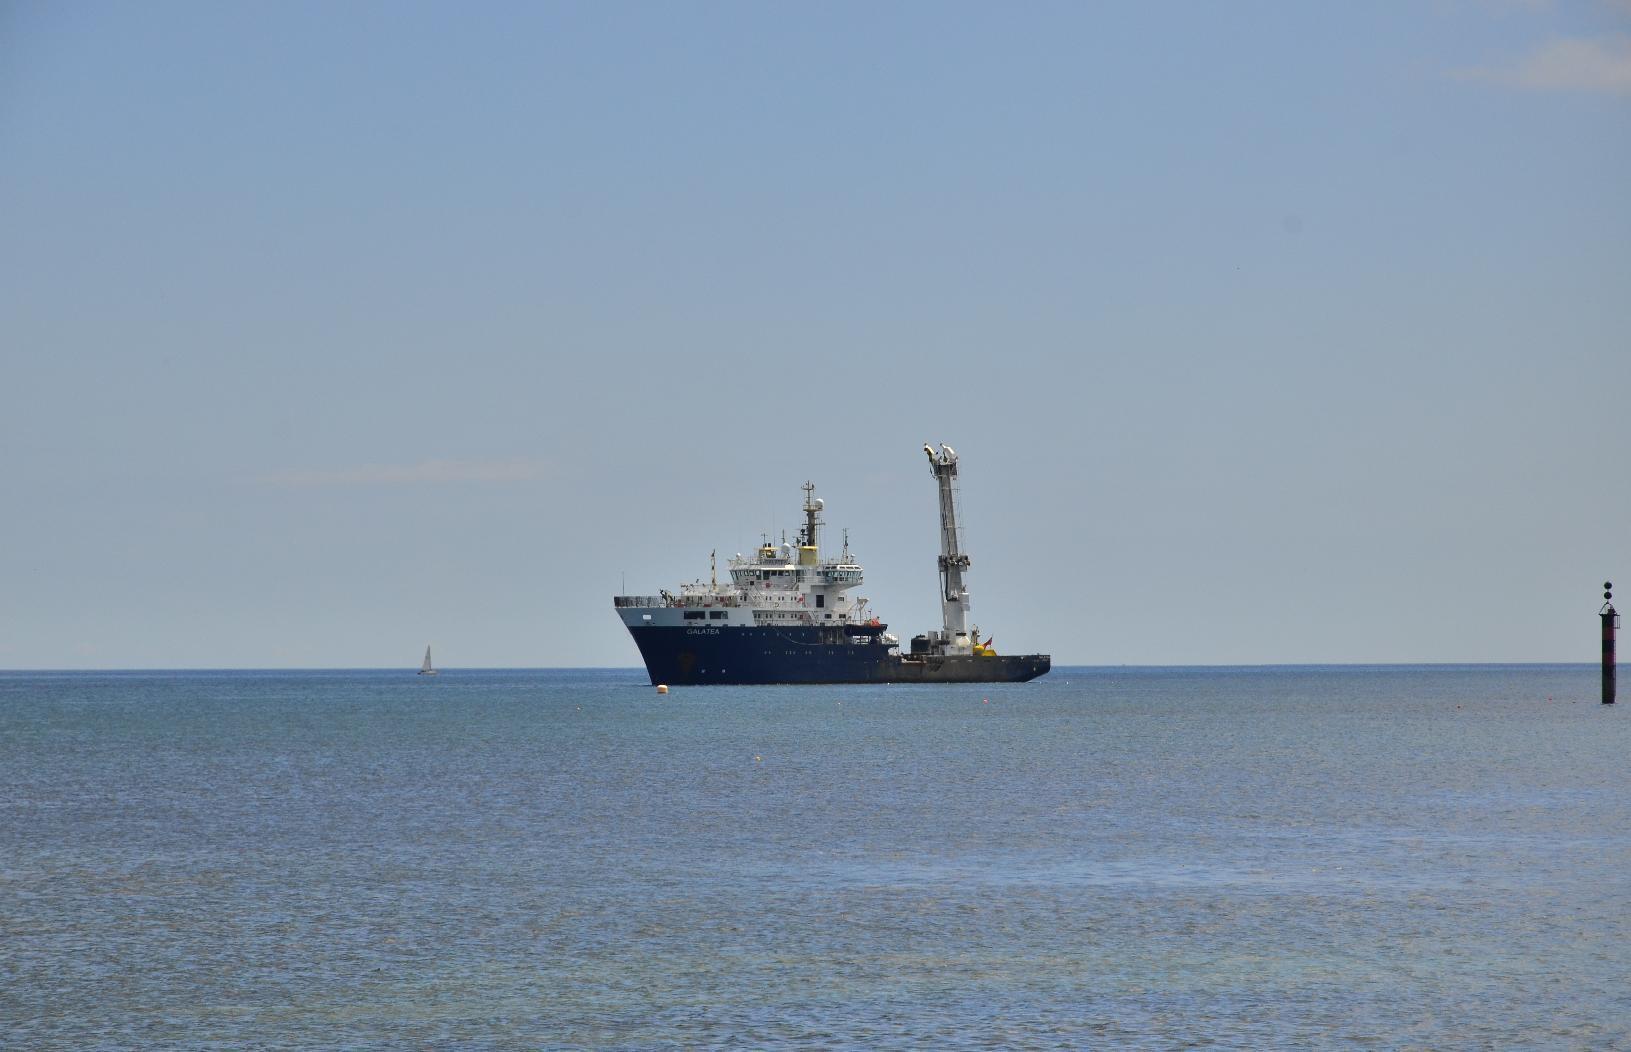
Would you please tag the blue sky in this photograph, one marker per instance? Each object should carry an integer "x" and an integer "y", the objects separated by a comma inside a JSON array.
[{"x": 1268, "y": 332}]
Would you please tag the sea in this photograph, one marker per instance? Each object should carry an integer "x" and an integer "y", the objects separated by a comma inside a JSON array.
[{"x": 1287, "y": 857}]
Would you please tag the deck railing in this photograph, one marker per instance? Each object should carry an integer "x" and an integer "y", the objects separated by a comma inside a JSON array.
[
  {"x": 685, "y": 599},
  {"x": 638, "y": 600}
]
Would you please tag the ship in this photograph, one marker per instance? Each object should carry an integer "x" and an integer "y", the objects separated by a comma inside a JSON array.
[{"x": 785, "y": 615}]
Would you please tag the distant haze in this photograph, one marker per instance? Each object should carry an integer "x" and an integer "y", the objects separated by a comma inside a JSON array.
[{"x": 1266, "y": 332}]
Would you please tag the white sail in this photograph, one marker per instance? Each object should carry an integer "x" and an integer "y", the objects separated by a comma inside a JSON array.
[{"x": 425, "y": 669}]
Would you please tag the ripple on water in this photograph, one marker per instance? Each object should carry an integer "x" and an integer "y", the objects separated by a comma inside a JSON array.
[{"x": 1128, "y": 858}]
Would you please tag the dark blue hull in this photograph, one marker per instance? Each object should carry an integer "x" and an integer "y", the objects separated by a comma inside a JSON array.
[{"x": 726, "y": 655}]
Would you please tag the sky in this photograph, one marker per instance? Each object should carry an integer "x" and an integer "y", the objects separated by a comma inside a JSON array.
[{"x": 1267, "y": 332}]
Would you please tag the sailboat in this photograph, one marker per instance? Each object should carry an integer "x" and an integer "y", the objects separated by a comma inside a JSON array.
[{"x": 425, "y": 669}]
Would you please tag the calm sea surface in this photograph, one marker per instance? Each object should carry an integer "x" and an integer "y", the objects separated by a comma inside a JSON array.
[{"x": 1394, "y": 857}]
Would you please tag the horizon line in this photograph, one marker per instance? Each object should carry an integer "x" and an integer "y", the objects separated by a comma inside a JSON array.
[{"x": 409, "y": 669}]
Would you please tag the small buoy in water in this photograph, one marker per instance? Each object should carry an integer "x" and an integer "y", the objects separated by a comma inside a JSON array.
[
  {"x": 987, "y": 701},
  {"x": 757, "y": 759},
  {"x": 662, "y": 688}
]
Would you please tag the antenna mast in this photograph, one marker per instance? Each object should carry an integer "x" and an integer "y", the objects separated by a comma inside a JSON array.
[{"x": 811, "y": 508}]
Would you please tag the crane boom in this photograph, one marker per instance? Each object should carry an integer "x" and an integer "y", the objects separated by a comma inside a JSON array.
[{"x": 953, "y": 560}]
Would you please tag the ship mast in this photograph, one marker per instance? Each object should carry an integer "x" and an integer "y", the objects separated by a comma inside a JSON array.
[
  {"x": 812, "y": 507},
  {"x": 953, "y": 561}
]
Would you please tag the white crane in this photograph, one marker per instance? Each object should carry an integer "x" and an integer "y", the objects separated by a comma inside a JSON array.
[{"x": 954, "y": 638}]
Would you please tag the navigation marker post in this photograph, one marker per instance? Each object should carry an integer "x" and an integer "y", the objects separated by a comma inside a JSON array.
[{"x": 1611, "y": 622}]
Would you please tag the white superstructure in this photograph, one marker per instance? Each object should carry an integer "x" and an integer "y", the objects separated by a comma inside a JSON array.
[{"x": 779, "y": 585}]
